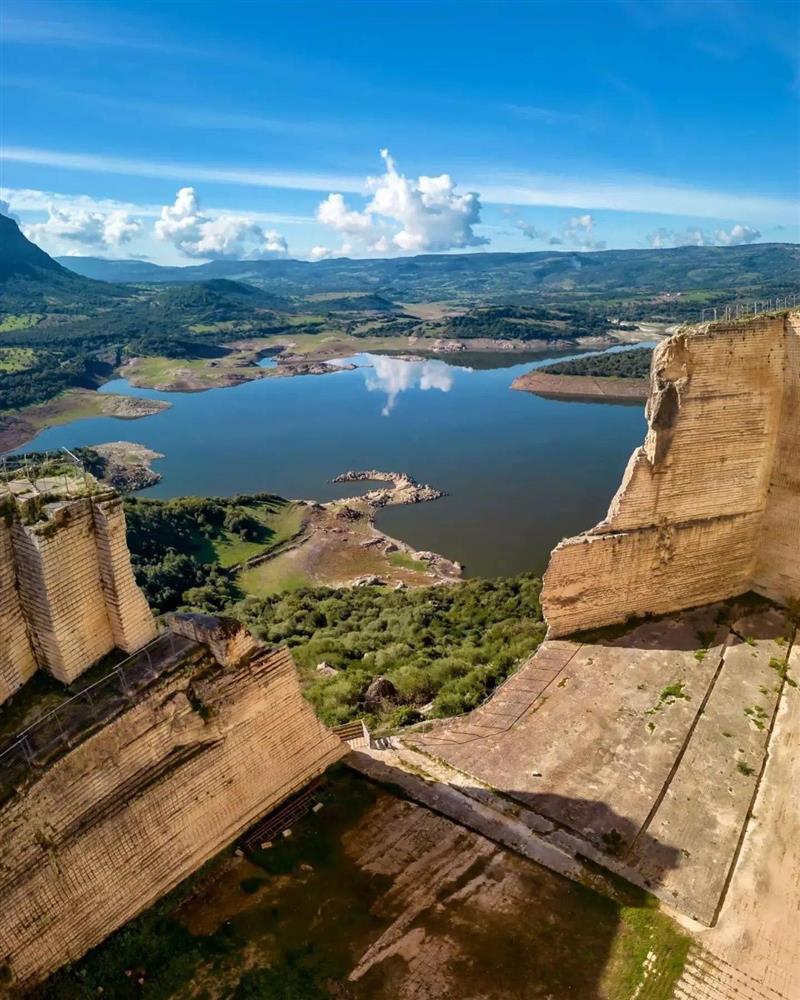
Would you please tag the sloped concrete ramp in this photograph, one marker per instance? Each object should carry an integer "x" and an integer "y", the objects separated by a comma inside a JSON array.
[{"x": 647, "y": 747}]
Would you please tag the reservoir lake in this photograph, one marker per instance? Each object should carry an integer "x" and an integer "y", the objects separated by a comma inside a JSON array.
[{"x": 521, "y": 472}]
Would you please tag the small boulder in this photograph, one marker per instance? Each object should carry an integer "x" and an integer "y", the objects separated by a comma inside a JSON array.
[
  {"x": 326, "y": 669},
  {"x": 380, "y": 693}
]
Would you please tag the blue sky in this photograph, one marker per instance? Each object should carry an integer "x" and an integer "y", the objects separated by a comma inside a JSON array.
[{"x": 509, "y": 126}]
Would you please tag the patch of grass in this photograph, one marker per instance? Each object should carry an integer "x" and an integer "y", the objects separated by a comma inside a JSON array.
[
  {"x": 781, "y": 668},
  {"x": 706, "y": 637},
  {"x": 404, "y": 561},
  {"x": 669, "y": 695},
  {"x": 756, "y": 715},
  {"x": 642, "y": 931},
  {"x": 20, "y": 321},
  {"x": 154, "y": 369},
  {"x": 16, "y": 359},
  {"x": 281, "y": 521},
  {"x": 274, "y": 576}
]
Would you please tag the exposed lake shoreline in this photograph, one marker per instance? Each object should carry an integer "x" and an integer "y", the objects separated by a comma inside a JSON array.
[
  {"x": 520, "y": 472},
  {"x": 583, "y": 387}
]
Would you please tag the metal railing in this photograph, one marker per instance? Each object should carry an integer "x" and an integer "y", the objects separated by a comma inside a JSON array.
[
  {"x": 96, "y": 702},
  {"x": 32, "y": 468},
  {"x": 742, "y": 310}
]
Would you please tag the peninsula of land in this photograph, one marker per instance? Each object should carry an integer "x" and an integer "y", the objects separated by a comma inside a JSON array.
[{"x": 615, "y": 377}]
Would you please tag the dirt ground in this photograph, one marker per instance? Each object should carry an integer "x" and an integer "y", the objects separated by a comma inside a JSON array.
[
  {"x": 341, "y": 547},
  {"x": 398, "y": 903}
]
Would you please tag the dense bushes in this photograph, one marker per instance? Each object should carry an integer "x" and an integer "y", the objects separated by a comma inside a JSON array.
[
  {"x": 634, "y": 363},
  {"x": 447, "y": 645},
  {"x": 172, "y": 552},
  {"x": 52, "y": 373}
]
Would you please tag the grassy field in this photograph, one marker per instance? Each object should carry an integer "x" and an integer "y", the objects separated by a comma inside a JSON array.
[
  {"x": 405, "y": 561},
  {"x": 273, "y": 577},
  {"x": 283, "y": 522},
  {"x": 223, "y": 326},
  {"x": 340, "y": 344},
  {"x": 156, "y": 369},
  {"x": 20, "y": 426},
  {"x": 19, "y": 322},
  {"x": 16, "y": 359}
]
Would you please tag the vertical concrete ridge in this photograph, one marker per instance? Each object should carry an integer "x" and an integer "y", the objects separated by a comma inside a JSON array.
[
  {"x": 709, "y": 505},
  {"x": 61, "y": 592},
  {"x": 132, "y": 623},
  {"x": 68, "y": 595},
  {"x": 17, "y": 660}
]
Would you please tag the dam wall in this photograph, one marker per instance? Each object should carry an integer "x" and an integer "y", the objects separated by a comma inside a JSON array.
[
  {"x": 17, "y": 662},
  {"x": 67, "y": 591},
  {"x": 709, "y": 505},
  {"x": 125, "y": 815}
]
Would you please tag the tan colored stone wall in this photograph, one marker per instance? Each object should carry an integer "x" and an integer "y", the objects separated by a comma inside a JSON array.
[
  {"x": 777, "y": 572},
  {"x": 17, "y": 663},
  {"x": 67, "y": 591},
  {"x": 62, "y": 597},
  {"x": 709, "y": 505},
  {"x": 132, "y": 623},
  {"x": 228, "y": 640},
  {"x": 125, "y": 816}
]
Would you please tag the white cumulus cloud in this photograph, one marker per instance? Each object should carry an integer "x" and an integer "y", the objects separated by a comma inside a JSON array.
[
  {"x": 67, "y": 226},
  {"x": 579, "y": 232},
  {"x": 737, "y": 235},
  {"x": 320, "y": 253},
  {"x": 5, "y": 209},
  {"x": 240, "y": 237},
  {"x": 395, "y": 375},
  {"x": 335, "y": 213},
  {"x": 575, "y": 232},
  {"x": 422, "y": 215}
]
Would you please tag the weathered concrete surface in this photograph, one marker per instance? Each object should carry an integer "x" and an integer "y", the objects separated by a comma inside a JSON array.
[
  {"x": 757, "y": 930},
  {"x": 711, "y": 791},
  {"x": 709, "y": 507},
  {"x": 17, "y": 661},
  {"x": 67, "y": 591},
  {"x": 645, "y": 749},
  {"x": 125, "y": 815}
]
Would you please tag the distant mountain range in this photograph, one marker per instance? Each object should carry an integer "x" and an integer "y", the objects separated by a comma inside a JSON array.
[
  {"x": 29, "y": 277},
  {"x": 762, "y": 269}
]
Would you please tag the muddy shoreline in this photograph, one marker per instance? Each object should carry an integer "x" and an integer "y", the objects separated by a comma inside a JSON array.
[{"x": 583, "y": 388}]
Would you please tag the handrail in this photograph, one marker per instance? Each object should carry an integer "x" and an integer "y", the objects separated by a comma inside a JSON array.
[
  {"x": 742, "y": 310},
  {"x": 117, "y": 671}
]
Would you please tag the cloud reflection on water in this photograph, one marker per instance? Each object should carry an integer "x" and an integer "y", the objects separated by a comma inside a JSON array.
[{"x": 396, "y": 375}]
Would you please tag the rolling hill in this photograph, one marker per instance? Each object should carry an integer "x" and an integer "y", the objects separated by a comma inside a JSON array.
[{"x": 764, "y": 270}]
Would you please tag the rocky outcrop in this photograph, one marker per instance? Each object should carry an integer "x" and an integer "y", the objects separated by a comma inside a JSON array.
[
  {"x": 404, "y": 489},
  {"x": 122, "y": 465},
  {"x": 123, "y": 815},
  {"x": 709, "y": 506}
]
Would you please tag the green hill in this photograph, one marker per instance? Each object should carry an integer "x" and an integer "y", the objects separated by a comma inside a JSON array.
[
  {"x": 31, "y": 281},
  {"x": 701, "y": 273}
]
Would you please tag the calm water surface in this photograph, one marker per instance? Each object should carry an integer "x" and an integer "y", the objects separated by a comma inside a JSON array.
[{"x": 521, "y": 472}]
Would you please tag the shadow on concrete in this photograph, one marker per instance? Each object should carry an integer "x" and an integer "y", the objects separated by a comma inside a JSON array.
[{"x": 560, "y": 944}]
